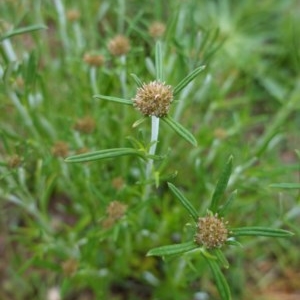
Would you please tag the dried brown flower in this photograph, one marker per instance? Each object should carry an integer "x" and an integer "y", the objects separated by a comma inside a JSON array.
[
  {"x": 73, "y": 15},
  {"x": 153, "y": 99},
  {"x": 93, "y": 59},
  {"x": 119, "y": 45},
  {"x": 60, "y": 149},
  {"x": 14, "y": 161},
  {"x": 157, "y": 29},
  {"x": 211, "y": 232},
  {"x": 85, "y": 125}
]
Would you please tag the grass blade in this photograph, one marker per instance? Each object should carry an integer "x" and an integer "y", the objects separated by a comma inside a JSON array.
[
  {"x": 104, "y": 154},
  {"x": 114, "y": 99},
  {"x": 286, "y": 185},
  {"x": 173, "y": 249},
  {"x": 185, "y": 81},
  {"x": 180, "y": 130},
  {"x": 186, "y": 203},
  {"x": 22, "y": 30},
  {"x": 221, "y": 185},
  {"x": 260, "y": 231}
]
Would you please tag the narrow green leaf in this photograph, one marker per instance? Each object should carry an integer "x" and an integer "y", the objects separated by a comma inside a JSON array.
[
  {"x": 221, "y": 185},
  {"x": 173, "y": 249},
  {"x": 185, "y": 81},
  {"x": 260, "y": 231},
  {"x": 103, "y": 154},
  {"x": 223, "y": 209},
  {"x": 286, "y": 185},
  {"x": 220, "y": 279},
  {"x": 221, "y": 257},
  {"x": 139, "y": 121},
  {"x": 158, "y": 62},
  {"x": 180, "y": 130},
  {"x": 22, "y": 30},
  {"x": 138, "y": 81},
  {"x": 114, "y": 99},
  {"x": 186, "y": 203}
]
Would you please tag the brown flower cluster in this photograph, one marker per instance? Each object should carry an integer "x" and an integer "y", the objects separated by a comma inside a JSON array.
[
  {"x": 85, "y": 125},
  {"x": 211, "y": 232},
  {"x": 93, "y": 59},
  {"x": 115, "y": 211},
  {"x": 119, "y": 45},
  {"x": 153, "y": 99},
  {"x": 157, "y": 29}
]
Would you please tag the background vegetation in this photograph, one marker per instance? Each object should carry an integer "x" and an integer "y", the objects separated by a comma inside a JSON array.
[{"x": 58, "y": 228}]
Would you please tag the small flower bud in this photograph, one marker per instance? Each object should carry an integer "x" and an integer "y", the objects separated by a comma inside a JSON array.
[
  {"x": 153, "y": 99},
  {"x": 157, "y": 29},
  {"x": 116, "y": 210},
  {"x": 119, "y": 45},
  {"x": 14, "y": 161},
  {"x": 212, "y": 232}
]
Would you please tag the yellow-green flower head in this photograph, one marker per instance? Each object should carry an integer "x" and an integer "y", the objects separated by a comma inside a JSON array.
[
  {"x": 153, "y": 99},
  {"x": 211, "y": 232}
]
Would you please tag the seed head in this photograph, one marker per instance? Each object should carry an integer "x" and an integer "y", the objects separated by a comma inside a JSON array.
[
  {"x": 119, "y": 45},
  {"x": 60, "y": 149},
  {"x": 85, "y": 125},
  {"x": 153, "y": 99},
  {"x": 14, "y": 161},
  {"x": 93, "y": 59},
  {"x": 211, "y": 232},
  {"x": 157, "y": 29},
  {"x": 73, "y": 15}
]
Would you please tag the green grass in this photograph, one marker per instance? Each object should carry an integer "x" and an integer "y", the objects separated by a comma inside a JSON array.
[{"x": 56, "y": 230}]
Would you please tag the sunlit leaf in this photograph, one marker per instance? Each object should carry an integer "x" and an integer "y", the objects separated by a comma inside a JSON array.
[
  {"x": 220, "y": 279},
  {"x": 179, "y": 129},
  {"x": 114, "y": 99},
  {"x": 173, "y": 249},
  {"x": 221, "y": 185},
  {"x": 260, "y": 231},
  {"x": 103, "y": 154},
  {"x": 185, "y": 202},
  {"x": 185, "y": 81}
]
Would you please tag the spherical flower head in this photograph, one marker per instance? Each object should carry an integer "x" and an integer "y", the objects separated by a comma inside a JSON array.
[
  {"x": 119, "y": 45},
  {"x": 211, "y": 232},
  {"x": 85, "y": 125},
  {"x": 157, "y": 29},
  {"x": 93, "y": 59},
  {"x": 153, "y": 99}
]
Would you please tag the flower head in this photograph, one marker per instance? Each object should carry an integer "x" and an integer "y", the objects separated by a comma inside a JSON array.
[
  {"x": 212, "y": 232},
  {"x": 93, "y": 59},
  {"x": 119, "y": 45},
  {"x": 153, "y": 99},
  {"x": 157, "y": 29}
]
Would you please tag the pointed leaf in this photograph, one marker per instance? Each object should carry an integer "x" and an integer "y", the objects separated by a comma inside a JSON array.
[
  {"x": 158, "y": 62},
  {"x": 186, "y": 203},
  {"x": 223, "y": 209},
  {"x": 221, "y": 257},
  {"x": 220, "y": 280},
  {"x": 103, "y": 154},
  {"x": 138, "y": 81},
  {"x": 221, "y": 186},
  {"x": 22, "y": 30},
  {"x": 260, "y": 231},
  {"x": 179, "y": 129},
  {"x": 173, "y": 249},
  {"x": 185, "y": 81},
  {"x": 114, "y": 99},
  {"x": 139, "y": 121}
]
